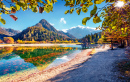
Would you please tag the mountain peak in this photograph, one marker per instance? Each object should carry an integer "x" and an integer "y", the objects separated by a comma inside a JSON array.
[
  {"x": 43, "y": 21},
  {"x": 38, "y": 25}
]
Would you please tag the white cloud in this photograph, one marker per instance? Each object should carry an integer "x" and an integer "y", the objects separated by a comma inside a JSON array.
[
  {"x": 83, "y": 27},
  {"x": 63, "y": 20},
  {"x": 64, "y": 30},
  {"x": 52, "y": 24}
]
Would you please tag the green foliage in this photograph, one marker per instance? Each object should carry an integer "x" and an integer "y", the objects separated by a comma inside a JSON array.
[
  {"x": 71, "y": 10},
  {"x": 16, "y": 5},
  {"x": 93, "y": 12},
  {"x": 84, "y": 9},
  {"x": 96, "y": 19},
  {"x": 48, "y": 8},
  {"x": 115, "y": 25},
  {"x": 47, "y": 5},
  {"x": 111, "y": 1},
  {"x": 66, "y": 11},
  {"x": 93, "y": 38},
  {"x": 38, "y": 34},
  {"x": 78, "y": 11},
  {"x": 2, "y": 21},
  {"x": 85, "y": 20},
  {"x": 35, "y": 9},
  {"x": 98, "y": 1},
  {"x": 85, "y": 4}
]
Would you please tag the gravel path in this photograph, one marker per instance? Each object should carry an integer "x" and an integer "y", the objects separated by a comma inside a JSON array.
[{"x": 100, "y": 68}]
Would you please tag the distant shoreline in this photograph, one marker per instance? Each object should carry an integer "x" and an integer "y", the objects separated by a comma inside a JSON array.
[{"x": 43, "y": 44}]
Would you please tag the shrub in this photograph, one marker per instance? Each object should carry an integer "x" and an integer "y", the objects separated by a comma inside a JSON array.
[{"x": 9, "y": 40}]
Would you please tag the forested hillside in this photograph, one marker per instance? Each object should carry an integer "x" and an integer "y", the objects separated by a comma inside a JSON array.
[
  {"x": 45, "y": 24},
  {"x": 38, "y": 34},
  {"x": 93, "y": 38}
]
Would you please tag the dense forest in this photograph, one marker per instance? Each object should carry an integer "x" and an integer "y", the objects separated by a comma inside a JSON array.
[
  {"x": 38, "y": 34},
  {"x": 92, "y": 38}
]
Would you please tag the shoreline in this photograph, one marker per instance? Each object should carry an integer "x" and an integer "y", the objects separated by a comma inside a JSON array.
[
  {"x": 73, "y": 64},
  {"x": 43, "y": 44},
  {"x": 51, "y": 72}
]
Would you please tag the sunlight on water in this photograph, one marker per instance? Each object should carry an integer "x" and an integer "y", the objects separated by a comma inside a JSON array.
[
  {"x": 63, "y": 58},
  {"x": 70, "y": 55}
]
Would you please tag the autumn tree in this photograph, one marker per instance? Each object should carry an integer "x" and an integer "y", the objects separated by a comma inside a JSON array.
[
  {"x": 116, "y": 25},
  {"x": 116, "y": 16},
  {"x": 93, "y": 38},
  {"x": 76, "y": 41},
  {"x": 83, "y": 5},
  {"x": 19, "y": 41},
  {"x": 9, "y": 40},
  {"x": 1, "y": 41}
]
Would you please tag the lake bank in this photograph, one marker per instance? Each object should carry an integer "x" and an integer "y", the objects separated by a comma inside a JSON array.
[
  {"x": 16, "y": 62},
  {"x": 43, "y": 44},
  {"x": 49, "y": 73},
  {"x": 100, "y": 68},
  {"x": 30, "y": 73}
]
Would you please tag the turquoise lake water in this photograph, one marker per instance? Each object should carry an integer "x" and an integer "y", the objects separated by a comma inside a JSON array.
[{"x": 16, "y": 59}]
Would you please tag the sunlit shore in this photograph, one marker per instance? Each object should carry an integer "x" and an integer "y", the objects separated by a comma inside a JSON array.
[
  {"x": 70, "y": 65},
  {"x": 43, "y": 44},
  {"x": 49, "y": 73},
  {"x": 30, "y": 75},
  {"x": 45, "y": 75}
]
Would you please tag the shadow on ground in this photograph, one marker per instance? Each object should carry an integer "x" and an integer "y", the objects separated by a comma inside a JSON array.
[{"x": 100, "y": 68}]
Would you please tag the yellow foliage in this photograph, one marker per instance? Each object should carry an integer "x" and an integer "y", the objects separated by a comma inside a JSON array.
[
  {"x": 9, "y": 40},
  {"x": 6, "y": 50},
  {"x": 1, "y": 41},
  {"x": 19, "y": 41}
]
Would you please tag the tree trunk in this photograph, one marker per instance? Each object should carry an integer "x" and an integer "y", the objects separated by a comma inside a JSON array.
[
  {"x": 121, "y": 42},
  {"x": 127, "y": 42},
  {"x": 111, "y": 45}
]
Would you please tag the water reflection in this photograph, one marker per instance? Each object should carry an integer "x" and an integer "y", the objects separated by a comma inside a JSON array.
[
  {"x": 66, "y": 57},
  {"x": 14, "y": 59}
]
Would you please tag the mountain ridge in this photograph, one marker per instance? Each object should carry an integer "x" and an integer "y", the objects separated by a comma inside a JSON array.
[
  {"x": 80, "y": 31},
  {"x": 38, "y": 34},
  {"x": 8, "y": 31},
  {"x": 43, "y": 23}
]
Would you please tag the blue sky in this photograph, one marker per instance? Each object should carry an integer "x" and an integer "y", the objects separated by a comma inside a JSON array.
[{"x": 57, "y": 18}]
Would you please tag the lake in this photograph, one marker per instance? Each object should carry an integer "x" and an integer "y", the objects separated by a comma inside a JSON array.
[{"x": 19, "y": 59}]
